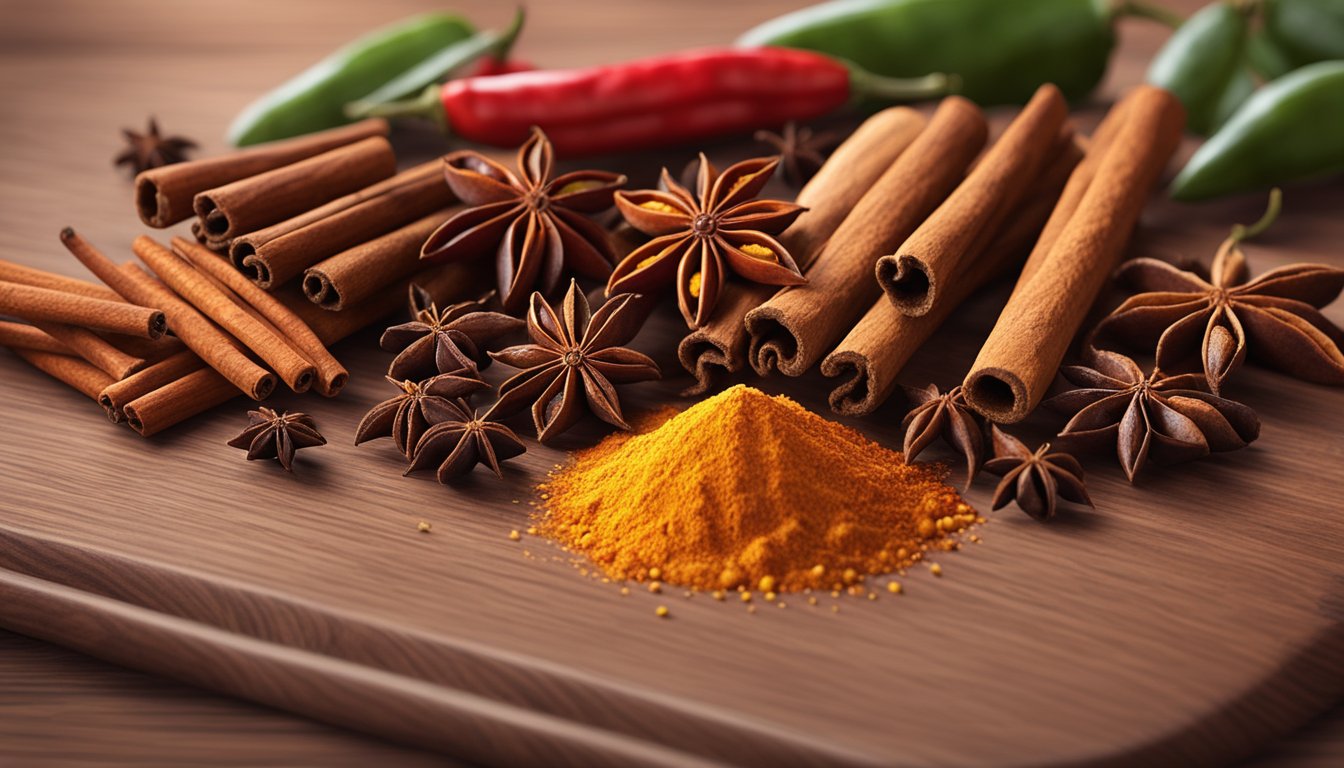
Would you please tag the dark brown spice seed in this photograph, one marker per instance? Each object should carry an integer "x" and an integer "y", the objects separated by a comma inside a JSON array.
[
  {"x": 1036, "y": 480},
  {"x": 152, "y": 150},
  {"x": 277, "y": 435}
]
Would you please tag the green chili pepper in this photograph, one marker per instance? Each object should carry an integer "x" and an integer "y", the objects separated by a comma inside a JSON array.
[
  {"x": 1305, "y": 31},
  {"x": 1288, "y": 130},
  {"x": 1201, "y": 61},
  {"x": 315, "y": 99},
  {"x": 1266, "y": 57},
  {"x": 1001, "y": 50}
]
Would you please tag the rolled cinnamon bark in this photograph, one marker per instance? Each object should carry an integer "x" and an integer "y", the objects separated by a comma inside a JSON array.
[
  {"x": 720, "y": 346},
  {"x": 355, "y": 274},
  {"x": 259, "y": 201},
  {"x": 200, "y": 334},
  {"x": 149, "y": 350},
  {"x": 870, "y": 358},
  {"x": 163, "y": 196},
  {"x": 331, "y": 375},
  {"x": 45, "y": 305},
  {"x": 24, "y": 336},
  {"x": 118, "y": 394},
  {"x": 191, "y": 285},
  {"x": 40, "y": 278},
  {"x": 75, "y": 373},
  {"x": 801, "y": 323},
  {"x": 935, "y": 253},
  {"x": 177, "y": 400},
  {"x": 278, "y": 253},
  {"x": 1066, "y": 272},
  {"x": 94, "y": 349}
]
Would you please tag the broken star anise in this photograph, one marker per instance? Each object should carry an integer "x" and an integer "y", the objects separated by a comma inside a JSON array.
[
  {"x": 277, "y": 435},
  {"x": 458, "y": 440},
  {"x": 151, "y": 149},
  {"x": 535, "y": 225},
  {"x": 1166, "y": 418},
  {"x": 1036, "y": 480},
  {"x": 698, "y": 238},
  {"x": 404, "y": 418},
  {"x": 948, "y": 415},
  {"x": 1275, "y": 317},
  {"x": 801, "y": 151},
  {"x": 575, "y": 357},
  {"x": 439, "y": 341}
]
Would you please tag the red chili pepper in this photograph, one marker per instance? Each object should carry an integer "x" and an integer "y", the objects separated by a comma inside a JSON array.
[{"x": 660, "y": 101}]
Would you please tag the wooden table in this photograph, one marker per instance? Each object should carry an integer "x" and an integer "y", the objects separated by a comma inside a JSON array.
[{"x": 75, "y": 72}]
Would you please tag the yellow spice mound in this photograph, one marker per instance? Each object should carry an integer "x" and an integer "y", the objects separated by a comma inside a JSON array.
[{"x": 745, "y": 489}]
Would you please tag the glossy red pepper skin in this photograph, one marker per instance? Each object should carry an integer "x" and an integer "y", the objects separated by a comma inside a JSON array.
[{"x": 661, "y": 101}]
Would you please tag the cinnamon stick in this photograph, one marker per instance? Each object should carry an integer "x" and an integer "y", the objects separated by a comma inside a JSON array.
[
  {"x": 40, "y": 278},
  {"x": 191, "y": 285},
  {"x": 24, "y": 336},
  {"x": 177, "y": 400},
  {"x": 115, "y": 396},
  {"x": 94, "y": 349},
  {"x": 794, "y": 329},
  {"x": 259, "y": 201},
  {"x": 200, "y": 334},
  {"x": 936, "y": 253},
  {"x": 75, "y": 373},
  {"x": 331, "y": 375},
  {"x": 149, "y": 350},
  {"x": 720, "y": 346},
  {"x": 163, "y": 196},
  {"x": 353, "y": 275},
  {"x": 1066, "y": 272},
  {"x": 870, "y": 358},
  {"x": 274, "y": 255},
  {"x": 46, "y": 305}
]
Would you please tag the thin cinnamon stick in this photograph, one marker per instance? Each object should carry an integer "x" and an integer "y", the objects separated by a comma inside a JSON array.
[
  {"x": 24, "y": 336},
  {"x": 720, "y": 346},
  {"x": 935, "y": 253},
  {"x": 259, "y": 201},
  {"x": 191, "y": 285},
  {"x": 199, "y": 333},
  {"x": 75, "y": 373},
  {"x": 274, "y": 255},
  {"x": 150, "y": 350},
  {"x": 331, "y": 375},
  {"x": 1066, "y": 273},
  {"x": 40, "y": 278},
  {"x": 798, "y": 325},
  {"x": 163, "y": 196},
  {"x": 94, "y": 349},
  {"x": 177, "y": 400},
  {"x": 45, "y": 305},
  {"x": 870, "y": 358},
  {"x": 353, "y": 275},
  {"x": 115, "y": 396}
]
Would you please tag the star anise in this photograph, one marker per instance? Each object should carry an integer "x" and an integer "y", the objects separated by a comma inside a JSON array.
[
  {"x": 405, "y": 417},
  {"x": 1167, "y": 418},
  {"x": 801, "y": 151},
  {"x": 459, "y": 440},
  {"x": 535, "y": 225},
  {"x": 1275, "y": 315},
  {"x": 151, "y": 150},
  {"x": 1036, "y": 480},
  {"x": 948, "y": 415},
  {"x": 575, "y": 357},
  {"x": 272, "y": 435},
  {"x": 698, "y": 238},
  {"x": 448, "y": 340}
]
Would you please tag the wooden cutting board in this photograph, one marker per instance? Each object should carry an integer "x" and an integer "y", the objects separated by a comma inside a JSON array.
[{"x": 1189, "y": 619}]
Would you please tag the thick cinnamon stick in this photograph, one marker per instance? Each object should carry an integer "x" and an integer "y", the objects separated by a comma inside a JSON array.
[
  {"x": 331, "y": 375},
  {"x": 40, "y": 278},
  {"x": 720, "y": 346},
  {"x": 353, "y": 275},
  {"x": 94, "y": 349},
  {"x": 199, "y": 333},
  {"x": 870, "y": 358},
  {"x": 191, "y": 285},
  {"x": 118, "y": 394},
  {"x": 163, "y": 196},
  {"x": 46, "y": 305},
  {"x": 76, "y": 373},
  {"x": 278, "y": 253},
  {"x": 259, "y": 201},
  {"x": 24, "y": 336},
  {"x": 1066, "y": 273},
  {"x": 935, "y": 253},
  {"x": 794, "y": 329}
]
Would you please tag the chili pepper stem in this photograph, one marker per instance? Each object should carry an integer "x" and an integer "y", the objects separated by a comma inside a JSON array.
[
  {"x": 866, "y": 85},
  {"x": 426, "y": 106},
  {"x": 1145, "y": 10},
  {"x": 1242, "y": 232}
]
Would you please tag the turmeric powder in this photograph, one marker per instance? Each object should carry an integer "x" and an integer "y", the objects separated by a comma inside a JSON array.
[{"x": 745, "y": 490}]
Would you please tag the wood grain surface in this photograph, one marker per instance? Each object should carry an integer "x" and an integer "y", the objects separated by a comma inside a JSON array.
[{"x": 1194, "y": 618}]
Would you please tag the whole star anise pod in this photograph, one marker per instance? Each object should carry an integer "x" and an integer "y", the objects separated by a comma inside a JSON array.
[
  {"x": 458, "y": 440},
  {"x": 801, "y": 151},
  {"x": 439, "y": 341},
  {"x": 698, "y": 238},
  {"x": 151, "y": 150},
  {"x": 535, "y": 225},
  {"x": 1036, "y": 480},
  {"x": 1167, "y": 418},
  {"x": 1275, "y": 315},
  {"x": 944, "y": 414},
  {"x": 575, "y": 357},
  {"x": 405, "y": 417},
  {"x": 272, "y": 435}
]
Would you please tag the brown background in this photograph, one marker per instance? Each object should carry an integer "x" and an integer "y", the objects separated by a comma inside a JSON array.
[{"x": 72, "y": 73}]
